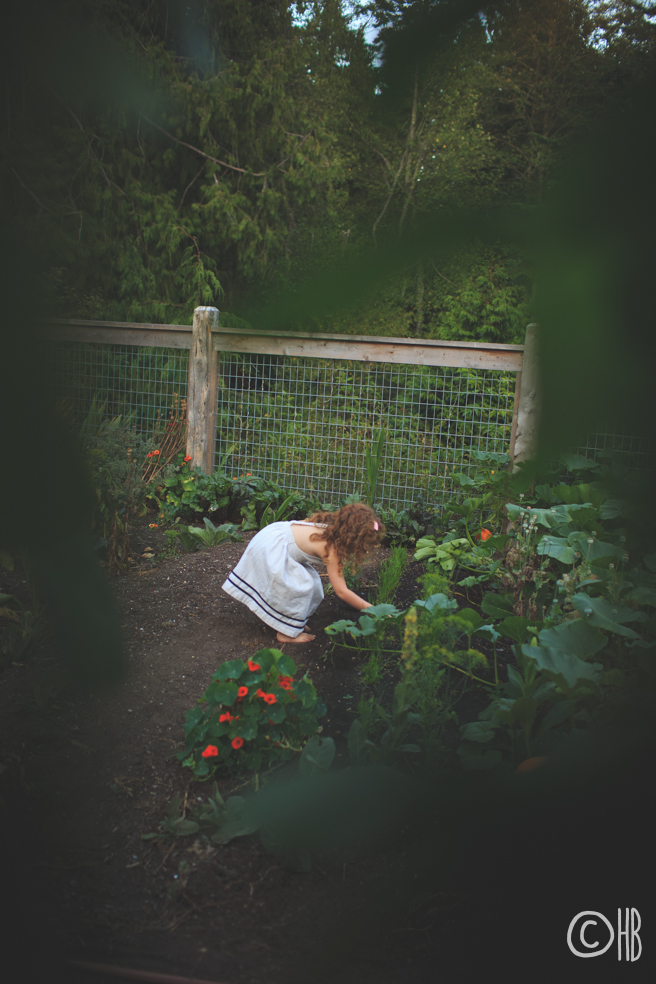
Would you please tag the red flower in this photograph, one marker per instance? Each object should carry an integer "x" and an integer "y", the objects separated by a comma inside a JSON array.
[
  {"x": 242, "y": 691},
  {"x": 210, "y": 752},
  {"x": 260, "y": 693},
  {"x": 253, "y": 666},
  {"x": 150, "y": 454},
  {"x": 155, "y": 452},
  {"x": 237, "y": 742},
  {"x": 285, "y": 682},
  {"x": 485, "y": 534},
  {"x": 188, "y": 458},
  {"x": 270, "y": 698},
  {"x": 226, "y": 717}
]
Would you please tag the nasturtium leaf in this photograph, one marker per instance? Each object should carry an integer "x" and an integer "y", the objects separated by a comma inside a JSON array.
[
  {"x": 222, "y": 693},
  {"x": 265, "y": 658},
  {"x": 497, "y": 605},
  {"x": 247, "y": 729},
  {"x": 276, "y": 713},
  {"x": 605, "y": 615},
  {"x": 286, "y": 665},
  {"x": 576, "y": 637},
  {"x": 194, "y": 714},
  {"x": 230, "y": 670}
]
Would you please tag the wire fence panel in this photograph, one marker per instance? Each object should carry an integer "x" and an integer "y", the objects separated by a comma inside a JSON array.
[
  {"x": 305, "y": 423},
  {"x": 636, "y": 453},
  {"x": 141, "y": 384}
]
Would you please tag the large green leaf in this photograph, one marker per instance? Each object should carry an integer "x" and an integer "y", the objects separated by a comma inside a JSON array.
[
  {"x": 576, "y": 462},
  {"x": 497, "y": 605},
  {"x": 480, "y": 731},
  {"x": 576, "y": 637},
  {"x": 474, "y": 619},
  {"x": 565, "y": 670},
  {"x": 515, "y": 627},
  {"x": 556, "y": 547},
  {"x": 317, "y": 756},
  {"x": 552, "y": 518},
  {"x": 230, "y": 670},
  {"x": 602, "y": 613},
  {"x": 286, "y": 665},
  {"x": 437, "y": 601},
  {"x": 642, "y": 595}
]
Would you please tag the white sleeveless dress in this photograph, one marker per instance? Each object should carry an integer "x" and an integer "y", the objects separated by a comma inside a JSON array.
[{"x": 277, "y": 580}]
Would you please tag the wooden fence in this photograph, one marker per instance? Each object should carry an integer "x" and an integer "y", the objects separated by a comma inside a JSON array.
[{"x": 207, "y": 344}]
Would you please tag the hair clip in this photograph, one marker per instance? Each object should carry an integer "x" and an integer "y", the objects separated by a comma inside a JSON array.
[{"x": 375, "y": 525}]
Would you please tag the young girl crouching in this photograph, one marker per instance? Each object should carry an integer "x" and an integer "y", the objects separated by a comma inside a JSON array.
[{"x": 276, "y": 578}]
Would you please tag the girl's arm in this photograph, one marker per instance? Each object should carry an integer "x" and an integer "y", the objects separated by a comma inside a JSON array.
[{"x": 339, "y": 584}]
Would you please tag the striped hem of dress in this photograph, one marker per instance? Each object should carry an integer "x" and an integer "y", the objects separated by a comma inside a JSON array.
[{"x": 250, "y": 597}]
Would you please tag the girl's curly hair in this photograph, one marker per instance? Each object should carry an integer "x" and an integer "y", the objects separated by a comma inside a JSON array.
[{"x": 350, "y": 531}]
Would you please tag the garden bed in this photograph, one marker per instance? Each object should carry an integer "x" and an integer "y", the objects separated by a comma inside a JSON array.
[{"x": 97, "y": 771}]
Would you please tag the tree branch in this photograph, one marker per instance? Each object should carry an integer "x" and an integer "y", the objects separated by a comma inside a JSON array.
[{"x": 196, "y": 150}]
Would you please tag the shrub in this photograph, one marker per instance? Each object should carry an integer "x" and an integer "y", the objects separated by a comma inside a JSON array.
[{"x": 272, "y": 716}]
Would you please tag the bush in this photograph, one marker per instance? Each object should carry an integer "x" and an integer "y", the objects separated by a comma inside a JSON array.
[{"x": 274, "y": 716}]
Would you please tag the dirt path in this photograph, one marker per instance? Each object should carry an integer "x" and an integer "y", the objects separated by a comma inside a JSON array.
[{"x": 95, "y": 772}]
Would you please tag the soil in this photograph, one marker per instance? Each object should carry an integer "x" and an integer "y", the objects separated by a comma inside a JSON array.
[{"x": 84, "y": 776}]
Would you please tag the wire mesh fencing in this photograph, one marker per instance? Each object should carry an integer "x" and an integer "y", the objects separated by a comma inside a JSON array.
[
  {"x": 140, "y": 384},
  {"x": 306, "y": 423}
]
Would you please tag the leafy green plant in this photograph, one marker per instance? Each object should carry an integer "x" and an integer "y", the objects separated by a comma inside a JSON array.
[
  {"x": 373, "y": 458},
  {"x": 390, "y": 573},
  {"x": 193, "y": 537},
  {"x": 272, "y": 715}
]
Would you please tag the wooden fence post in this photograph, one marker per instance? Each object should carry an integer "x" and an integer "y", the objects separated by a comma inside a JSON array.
[
  {"x": 526, "y": 429},
  {"x": 202, "y": 394}
]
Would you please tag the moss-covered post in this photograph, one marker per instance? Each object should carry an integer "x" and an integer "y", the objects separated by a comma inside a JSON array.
[
  {"x": 202, "y": 393},
  {"x": 525, "y": 444}
]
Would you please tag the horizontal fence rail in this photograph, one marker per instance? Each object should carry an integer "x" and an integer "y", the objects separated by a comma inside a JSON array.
[{"x": 300, "y": 408}]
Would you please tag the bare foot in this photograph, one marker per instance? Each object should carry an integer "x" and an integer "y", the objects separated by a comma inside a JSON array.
[{"x": 303, "y": 637}]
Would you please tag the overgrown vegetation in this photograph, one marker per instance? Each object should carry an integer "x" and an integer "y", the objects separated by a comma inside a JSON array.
[{"x": 243, "y": 151}]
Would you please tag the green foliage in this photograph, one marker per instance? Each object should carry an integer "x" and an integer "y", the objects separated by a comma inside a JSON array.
[
  {"x": 372, "y": 461},
  {"x": 272, "y": 715},
  {"x": 390, "y": 573},
  {"x": 193, "y": 537}
]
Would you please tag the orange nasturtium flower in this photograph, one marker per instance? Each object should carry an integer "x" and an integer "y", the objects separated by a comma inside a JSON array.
[
  {"x": 152, "y": 526},
  {"x": 242, "y": 691},
  {"x": 188, "y": 458},
  {"x": 270, "y": 698},
  {"x": 253, "y": 666},
  {"x": 485, "y": 534},
  {"x": 237, "y": 742},
  {"x": 227, "y": 717},
  {"x": 210, "y": 752}
]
